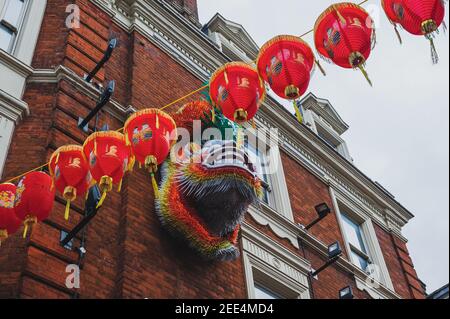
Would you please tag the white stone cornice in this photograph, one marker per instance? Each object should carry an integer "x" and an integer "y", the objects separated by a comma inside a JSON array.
[
  {"x": 63, "y": 73},
  {"x": 15, "y": 64},
  {"x": 12, "y": 108}
]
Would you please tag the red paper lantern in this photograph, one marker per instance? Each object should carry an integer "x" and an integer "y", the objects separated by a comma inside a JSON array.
[
  {"x": 238, "y": 90},
  {"x": 7, "y": 213},
  {"x": 344, "y": 34},
  {"x": 418, "y": 17},
  {"x": 286, "y": 63},
  {"x": 109, "y": 158},
  {"x": 151, "y": 133},
  {"x": 70, "y": 172},
  {"x": 34, "y": 199}
]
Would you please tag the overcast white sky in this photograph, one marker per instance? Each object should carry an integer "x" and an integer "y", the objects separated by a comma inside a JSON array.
[{"x": 399, "y": 130}]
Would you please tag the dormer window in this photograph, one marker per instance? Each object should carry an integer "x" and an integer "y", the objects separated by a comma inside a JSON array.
[
  {"x": 328, "y": 138},
  {"x": 323, "y": 120}
]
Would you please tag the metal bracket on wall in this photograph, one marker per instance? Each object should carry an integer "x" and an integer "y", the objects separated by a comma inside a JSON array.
[
  {"x": 90, "y": 211},
  {"x": 106, "y": 56},
  {"x": 107, "y": 93},
  {"x": 104, "y": 99}
]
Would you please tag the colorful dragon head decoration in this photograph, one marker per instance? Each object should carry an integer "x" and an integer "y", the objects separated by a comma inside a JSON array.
[{"x": 207, "y": 186}]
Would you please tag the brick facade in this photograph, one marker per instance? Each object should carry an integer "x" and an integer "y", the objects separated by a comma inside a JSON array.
[{"x": 129, "y": 255}]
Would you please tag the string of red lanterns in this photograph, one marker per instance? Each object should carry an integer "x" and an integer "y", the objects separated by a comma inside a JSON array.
[
  {"x": 418, "y": 17},
  {"x": 343, "y": 34}
]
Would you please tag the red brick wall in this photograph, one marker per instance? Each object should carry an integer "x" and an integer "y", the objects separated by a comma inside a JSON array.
[
  {"x": 128, "y": 253},
  {"x": 400, "y": 265},
  {"x": 306, "y": 191}
]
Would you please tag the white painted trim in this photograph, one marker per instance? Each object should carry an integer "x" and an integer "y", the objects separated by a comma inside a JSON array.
[
  {"x": 12, "y": 108},
  {"x": 279, "y": 265},
  {"x": 28, "y": 32},
  {"x": 279, "y": 201},
  {"x": 6, "y": 133},
  {"x": 370, "y": 237},
  {"x": 266, "y": 216}
]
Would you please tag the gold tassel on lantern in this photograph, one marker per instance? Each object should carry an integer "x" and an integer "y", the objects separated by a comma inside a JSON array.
[
  {"x": 3, "y": 235},
  {"x": 105, "y": 185},
  {"x": 67, "y": 211},
  {"x": 213, "y": 115},
  {"x": 70, "y": 194},
  {"x": 131, "y": 164},
  {"x": 151, "y": 164},
  {"x": 226, "y": 77},
  {"x": 428, "y": 28},
  {"x": 155, "y": 185},
  {"x": 298, "y": 114},
  {"x": 364, "y": 72},
  {"x": 28, "y": 223}
]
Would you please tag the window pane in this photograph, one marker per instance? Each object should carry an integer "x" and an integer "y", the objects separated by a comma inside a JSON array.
[
  {"x": 263, "y": 293},
  {"x": 6, "y": 36},
  {"x": 13, "y": 12},
  {"x": 259, "y": 159},
  {"x": 360, "y": 260},
  {"x": 353, "y": 233}
]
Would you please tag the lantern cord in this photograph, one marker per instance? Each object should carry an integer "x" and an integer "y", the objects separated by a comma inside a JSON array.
[
  {"x": 67, "y": 211},
  {"x": 364, "y": 72},
  {"x": 155, "y": 186},
  {"x": 312, "y": 30},
  {"x": 184, "y": 97},
  {"x": 119, "y": 189},
  {"x": 102, "y": 199},
  {"x": 321, "y": 68},
  {"x": 21, "y": 175}
]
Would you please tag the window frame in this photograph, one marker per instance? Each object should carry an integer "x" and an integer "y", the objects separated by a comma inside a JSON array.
[
  {"x": 6, "y": 133},
  {"x": 361, "y": 214},
  {"x": 268, "y": 264},
  {"x": 279, "y": 201},
  {"x": 346, "y": 219},
  {"x": 266, "y": 179},
  {"x": 16, "y": 30}
]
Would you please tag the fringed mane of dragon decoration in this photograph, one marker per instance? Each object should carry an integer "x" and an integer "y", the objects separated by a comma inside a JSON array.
[{"x": 207, "y": 187}]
